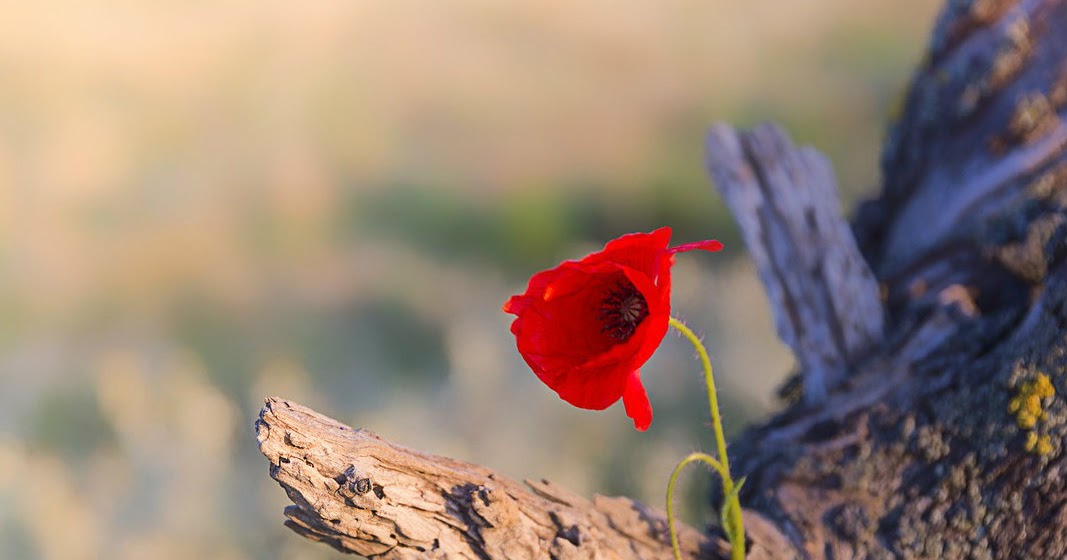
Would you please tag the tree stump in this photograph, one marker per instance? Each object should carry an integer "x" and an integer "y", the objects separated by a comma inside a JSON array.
[
  {"x": 945, "y": 440},
  {"x": 931, "y": 341}
]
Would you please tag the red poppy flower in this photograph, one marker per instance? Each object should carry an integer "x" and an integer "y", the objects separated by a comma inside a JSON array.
[{"x": 585, "y": 327}]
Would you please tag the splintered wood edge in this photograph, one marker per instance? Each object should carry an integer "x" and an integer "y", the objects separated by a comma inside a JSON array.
[
  {"x": 824, "y": 297},
  {"x": 366, "y": 495}
]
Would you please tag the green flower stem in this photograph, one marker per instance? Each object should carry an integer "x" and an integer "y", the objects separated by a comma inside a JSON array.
[
  {"x": 731, "y": 515},
  {"x": 670, "y": 493}
]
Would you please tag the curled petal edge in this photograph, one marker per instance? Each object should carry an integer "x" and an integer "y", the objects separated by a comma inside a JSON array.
[{"x": 635, "y": 399}]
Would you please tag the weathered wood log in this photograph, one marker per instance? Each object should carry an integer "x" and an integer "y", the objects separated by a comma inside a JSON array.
[
  {"x": 364, "y": 495},
  {"x": 935, "y": 421}
]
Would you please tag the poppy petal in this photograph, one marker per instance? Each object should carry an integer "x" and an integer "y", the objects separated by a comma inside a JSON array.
[
  {"x": 584, "y": 331},
  {"x": 640, "y": 251},
  {"x": 591, "y": 388},
  {"x": 654, "y": 328},
  {"x": 558, "y": 330},
  {"x": 711, "y": 245},
  {"x": 536, "y": 286},
  {"x": 635, "y": 399}
]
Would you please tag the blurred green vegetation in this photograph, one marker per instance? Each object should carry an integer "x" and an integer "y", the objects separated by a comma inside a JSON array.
[
  {"x": 534, "y": 225},
  {"x": 205, "y": 204}
]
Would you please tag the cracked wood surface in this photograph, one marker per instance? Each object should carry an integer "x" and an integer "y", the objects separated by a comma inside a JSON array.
[
  {"x": 362, "y": 494},
  {"x": 824, "y": 298}
]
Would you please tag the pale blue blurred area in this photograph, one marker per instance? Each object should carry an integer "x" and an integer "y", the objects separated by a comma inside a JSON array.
[{"x": 206, "y": 203}]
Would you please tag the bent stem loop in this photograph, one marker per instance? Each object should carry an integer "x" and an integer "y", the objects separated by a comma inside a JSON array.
[{"x": 731, "y": 514}]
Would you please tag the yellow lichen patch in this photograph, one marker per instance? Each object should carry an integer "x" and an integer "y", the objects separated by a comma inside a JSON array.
[
  {"x": 1043, "y": 386},
  {"x": 1038, "y": 444},
  {"x": 1028, "y": 406},
  {"x": 1044, "y": 445}
]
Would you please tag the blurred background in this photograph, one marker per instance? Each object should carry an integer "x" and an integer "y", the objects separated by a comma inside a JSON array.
[{"x": 206, "y": 203}]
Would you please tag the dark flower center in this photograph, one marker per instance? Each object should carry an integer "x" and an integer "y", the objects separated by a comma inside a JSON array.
[{"x": 622, "y": 311}]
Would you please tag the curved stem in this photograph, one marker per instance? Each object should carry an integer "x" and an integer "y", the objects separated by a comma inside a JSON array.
[
  {"x": 731, "y": 505},
  {"x": 670, "y": 493},
  {"x": 713, "y": 399}
]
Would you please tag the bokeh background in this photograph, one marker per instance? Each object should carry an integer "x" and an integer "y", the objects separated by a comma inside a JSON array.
[{"x": 206, "y": 203}]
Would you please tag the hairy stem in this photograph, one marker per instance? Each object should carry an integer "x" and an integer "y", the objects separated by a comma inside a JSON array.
[{"x": 731, "y": 507}]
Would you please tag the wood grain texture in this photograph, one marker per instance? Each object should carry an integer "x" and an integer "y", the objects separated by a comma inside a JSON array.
[
  {"x": 365, "y": 495},
  {"x": 824, "y": 298}
]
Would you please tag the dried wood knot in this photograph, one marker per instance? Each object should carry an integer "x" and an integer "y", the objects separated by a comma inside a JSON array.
[{"x": 353, "y": 483}]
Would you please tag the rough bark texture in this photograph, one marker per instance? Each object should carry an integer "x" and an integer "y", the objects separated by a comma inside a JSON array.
[
  {"x": 365, "y": 495},
  {"x": 937, "y": 444},
  {"x": 931, "y": 347}
]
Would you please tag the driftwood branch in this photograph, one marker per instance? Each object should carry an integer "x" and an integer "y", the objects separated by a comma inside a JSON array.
[{"x": 362, "y": 494}]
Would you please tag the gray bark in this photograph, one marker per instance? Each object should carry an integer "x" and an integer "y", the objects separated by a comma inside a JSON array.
[
  {"x": 925, "y": 448},
  {"x": 824, "y": 296}
]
